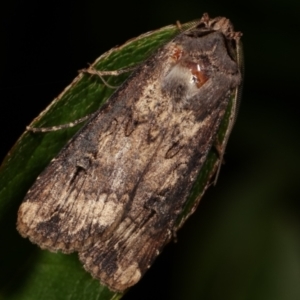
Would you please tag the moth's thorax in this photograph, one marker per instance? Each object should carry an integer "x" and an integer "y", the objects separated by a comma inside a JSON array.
[{"x": 192, "y": 67}]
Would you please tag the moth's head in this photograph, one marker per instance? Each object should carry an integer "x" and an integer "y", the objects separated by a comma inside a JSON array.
[
  {"x": 208, "y": 25},
  {"x": 202, "y": 58}
]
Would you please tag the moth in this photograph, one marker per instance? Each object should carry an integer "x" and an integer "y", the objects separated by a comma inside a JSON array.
[{"x": 115, "y": 191}]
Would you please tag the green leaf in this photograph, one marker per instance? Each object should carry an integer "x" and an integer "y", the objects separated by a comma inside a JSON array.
[{"x": 26, "y": 271}]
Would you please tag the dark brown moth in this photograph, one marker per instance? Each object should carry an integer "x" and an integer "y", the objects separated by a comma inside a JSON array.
[{"x": 114, "y": 193}]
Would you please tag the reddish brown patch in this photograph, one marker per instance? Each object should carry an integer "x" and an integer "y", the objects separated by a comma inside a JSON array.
[
  {"x": 201, "y": 77},
  {"x": 198, "y": 72},
  {"x": 177, "y": 54}
]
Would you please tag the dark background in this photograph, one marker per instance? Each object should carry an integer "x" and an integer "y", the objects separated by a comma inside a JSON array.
[{"x": 244, "y": 240}]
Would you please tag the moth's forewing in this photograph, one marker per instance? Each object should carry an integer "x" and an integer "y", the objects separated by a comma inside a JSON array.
[{"x": 115, "y": 192}]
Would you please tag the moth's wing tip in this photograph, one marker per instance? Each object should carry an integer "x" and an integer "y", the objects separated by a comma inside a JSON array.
[
  {"x": 22, "y": 225},
  {"x": 112, "y": 275},
  {"x": 120, "y": 261},
  {"x": 27, "y": 226}
]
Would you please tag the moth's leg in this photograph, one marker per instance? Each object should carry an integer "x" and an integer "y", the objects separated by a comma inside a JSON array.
[
  {"x": 59, "y": 127},
  {"x": 174, "y": 235},
  {"x": 221, "y": 146},
  {"x": 179, "y": 26},
  {"x": 91, "y": 70}
]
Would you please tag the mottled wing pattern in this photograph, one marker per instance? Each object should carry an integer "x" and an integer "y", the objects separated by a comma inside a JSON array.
[{"x": 115, "y": 191}]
